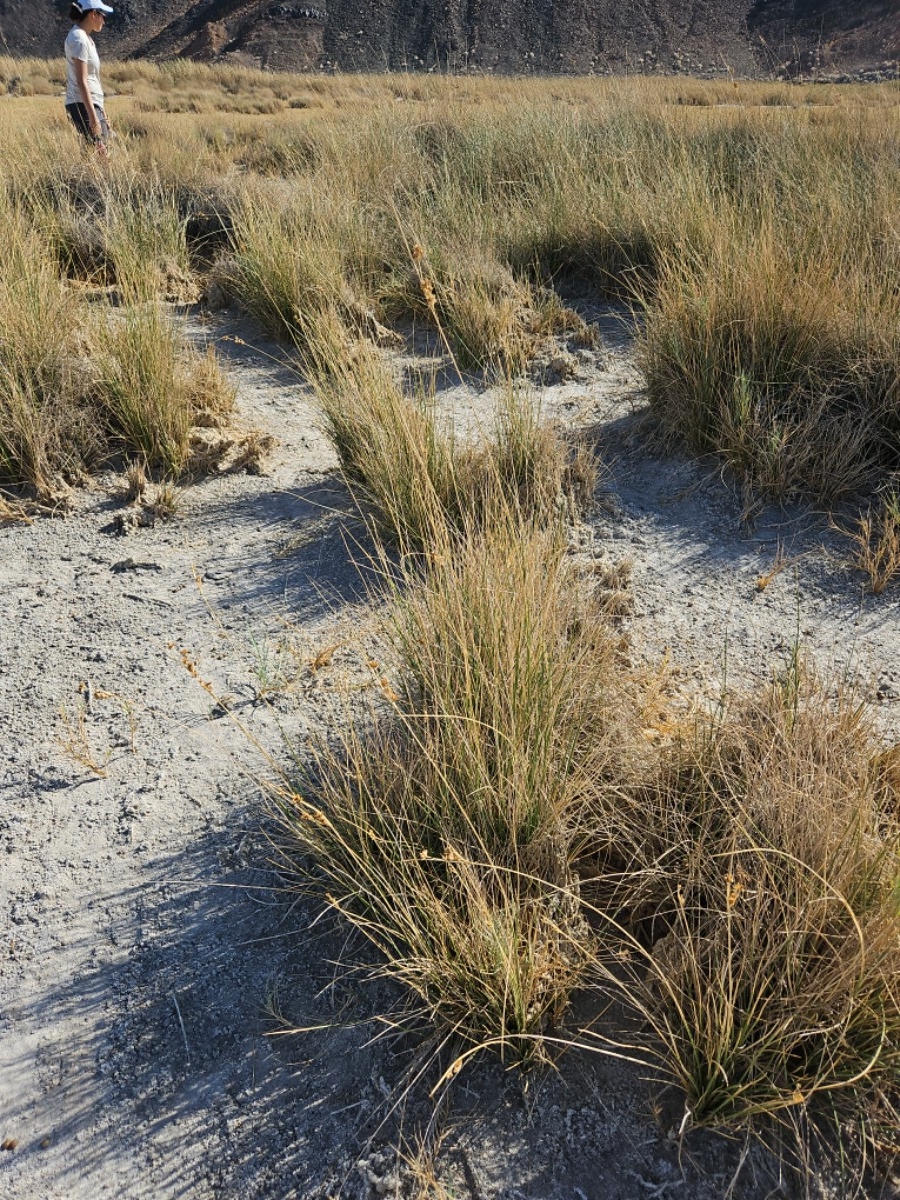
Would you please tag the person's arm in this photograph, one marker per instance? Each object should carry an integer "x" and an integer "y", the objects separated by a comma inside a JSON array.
[{"x": 81, "y": 78}]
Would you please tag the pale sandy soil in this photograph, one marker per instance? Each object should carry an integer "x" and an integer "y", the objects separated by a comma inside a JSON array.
[{"x": 146, "y": 941}]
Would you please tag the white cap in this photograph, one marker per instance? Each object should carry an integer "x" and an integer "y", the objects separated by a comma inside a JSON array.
[{"x": 87, "y": 5}]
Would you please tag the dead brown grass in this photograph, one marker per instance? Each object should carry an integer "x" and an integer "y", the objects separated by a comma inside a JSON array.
[
  {"x": 749, "y": 891},
  {"x": 876, "y": 542}
]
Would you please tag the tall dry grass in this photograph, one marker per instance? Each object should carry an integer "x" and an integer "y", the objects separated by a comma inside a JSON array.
[
  {"x": 291, "y": 250},
  {"x": 748, "y": 913},
  {"x": 153, "y": 388},
  {"x": 773, "y": 339},
  {"x": 758, "y": 239},
  {"x": 445, "y": 830},
  {"x": 46, "y": 429},
  {"x": 84, "y": 376},
  {"x": 504, "y": 833}
]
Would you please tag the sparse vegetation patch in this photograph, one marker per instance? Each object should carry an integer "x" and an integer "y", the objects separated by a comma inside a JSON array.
[{"x": 515, "y": 817}]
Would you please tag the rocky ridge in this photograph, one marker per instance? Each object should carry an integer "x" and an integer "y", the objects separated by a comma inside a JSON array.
[{"x": 705, "y": 37}]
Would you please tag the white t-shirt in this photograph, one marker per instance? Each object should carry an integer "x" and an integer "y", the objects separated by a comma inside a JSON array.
[{"x": 81, "y": 47}]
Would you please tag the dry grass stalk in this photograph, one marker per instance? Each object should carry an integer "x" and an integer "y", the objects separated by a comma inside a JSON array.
[
  {"x": 166, "y": 503},
  {"x": 876, "y": 542},
  {"x": 13, "y": 512},
  {"x": 780, "y": 562},
  {"x": 135, "y": 483},
  {"x": 76, "y": 744}
]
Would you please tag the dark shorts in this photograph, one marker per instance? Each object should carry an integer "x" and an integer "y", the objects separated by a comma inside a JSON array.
[{"x": 78, "y": 115}]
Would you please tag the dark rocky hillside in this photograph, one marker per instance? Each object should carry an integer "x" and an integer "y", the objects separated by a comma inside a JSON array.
[
  {"x": 696, "y": 36},
  {"x": 827, "y": 35}
]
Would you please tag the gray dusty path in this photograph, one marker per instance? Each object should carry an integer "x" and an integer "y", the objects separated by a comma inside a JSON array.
[{"x": 147, "y": 951}]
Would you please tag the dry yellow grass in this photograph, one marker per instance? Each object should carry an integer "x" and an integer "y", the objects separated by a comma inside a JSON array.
[
  {"x": 746, "y": 891},
  {"x": 503, "y": 830},
  {"x": 876, "y": 542},
  {"x": 756, "y": 226},
  {"x": 445, "y": 830}
]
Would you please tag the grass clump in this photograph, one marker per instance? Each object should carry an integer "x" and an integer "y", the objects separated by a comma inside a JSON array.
[
  {"x": 771, "y": 328},
  {"x": 145, "y": 235},
  {"x": 288, "y": 263},
  {"x": 444, "y": 832},
  {"x": 82, "y": 382},
  {"x": 876, "y": 542},
  {"x": 753, "y": 921},
  {"x": 783, "y": 377},
  {"x": 45, "y": 429},
  {"x": 489, "y": 318},
  {"x": 107, "y": 230},
  {"x": 153, "y": 389},
  {"x": 415, "y": 476},
  {"x": 392, "y": 455},
  {"x": 142, "y": 392}
]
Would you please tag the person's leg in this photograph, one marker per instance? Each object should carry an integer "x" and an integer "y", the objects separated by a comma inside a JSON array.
[{"x": 79, "y": 118}]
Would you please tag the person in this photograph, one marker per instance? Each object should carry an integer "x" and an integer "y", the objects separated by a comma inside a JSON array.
[{"x": 84, "y": 95}]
